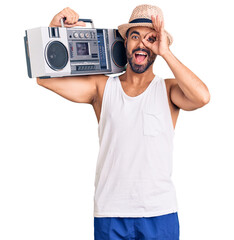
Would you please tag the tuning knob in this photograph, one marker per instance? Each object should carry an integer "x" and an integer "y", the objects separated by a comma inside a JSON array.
[
  {"x": 81, "y": 35},
  {"x": 76, "y": 35}
]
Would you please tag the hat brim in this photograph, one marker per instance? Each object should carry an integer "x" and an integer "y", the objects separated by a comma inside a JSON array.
[{"x": 124, "y": 27}]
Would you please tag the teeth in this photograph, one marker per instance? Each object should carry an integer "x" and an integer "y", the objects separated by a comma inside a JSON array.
[{"x": 142, "y": 54}]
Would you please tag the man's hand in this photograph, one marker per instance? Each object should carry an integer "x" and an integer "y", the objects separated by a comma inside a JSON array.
[
  {"x": 71, "y": 19},
  {"x": 157, "y": 40}
]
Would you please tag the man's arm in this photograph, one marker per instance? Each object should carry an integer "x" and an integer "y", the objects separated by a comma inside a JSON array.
[
  {"x": 80, "y": 89},
  {"x": 187, "y": 92}
]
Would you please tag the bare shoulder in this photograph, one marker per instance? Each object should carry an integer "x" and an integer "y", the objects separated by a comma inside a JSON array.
[
  {"x": 100, "y": 83},
  {"x": 170, "y": 82}
]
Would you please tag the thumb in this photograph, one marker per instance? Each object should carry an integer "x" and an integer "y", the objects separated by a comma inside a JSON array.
[
  {"x": 147, "y": 43},
  {"x": 81, "y": 24}
]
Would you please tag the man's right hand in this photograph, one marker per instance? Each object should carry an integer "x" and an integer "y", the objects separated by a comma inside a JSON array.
[
  {"x": 80, "y": 89},
  {"x": 71, "y": 19}
]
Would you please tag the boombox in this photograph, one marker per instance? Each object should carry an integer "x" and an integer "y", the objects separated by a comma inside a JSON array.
[{"x": 60, "y": 51}]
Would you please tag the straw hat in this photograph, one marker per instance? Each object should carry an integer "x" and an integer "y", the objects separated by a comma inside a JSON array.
[{"x": 141, "y": 16}]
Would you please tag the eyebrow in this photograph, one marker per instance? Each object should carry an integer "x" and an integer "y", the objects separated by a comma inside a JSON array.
[{"x": 135, "y": 33}]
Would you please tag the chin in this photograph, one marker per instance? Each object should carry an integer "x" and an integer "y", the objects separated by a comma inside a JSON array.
[{"x": 139, "y": 68}]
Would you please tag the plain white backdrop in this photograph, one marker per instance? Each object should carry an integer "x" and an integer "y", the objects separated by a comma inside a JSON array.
[{"x": 49, "y": 145}]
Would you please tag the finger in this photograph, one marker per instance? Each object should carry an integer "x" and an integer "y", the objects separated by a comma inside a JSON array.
[
  {"x": 61, "y": 15},
  {"x": 80, "y": 23},
  {"x": 151, "y": 36},
  {"x": 150, "y": 39},
  {"x": 66, "y": 14},
  {"x": 69, "y": 25},
  {"x": 147, "y": 43},
  {"x": 76, "y": 16},
  {"x": 154, "y": 23},
  {"x": 162, "y": 24},
  {"x": 72, "y": 16},
  {"x": 152, "y": 33},
  {"x": 69, "y": 16},
  {"x": 161, "y": 28},
  {"x": 159, "y": 23}
]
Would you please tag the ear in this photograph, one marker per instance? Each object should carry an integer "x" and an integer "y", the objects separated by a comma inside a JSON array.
[{"x": 125, "y": 42}]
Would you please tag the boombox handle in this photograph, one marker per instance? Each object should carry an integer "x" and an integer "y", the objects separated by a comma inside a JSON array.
[{"x": 84, "y": 20}]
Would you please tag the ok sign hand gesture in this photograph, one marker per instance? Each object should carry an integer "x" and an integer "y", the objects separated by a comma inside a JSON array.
[{"x": 157, "y": 40}]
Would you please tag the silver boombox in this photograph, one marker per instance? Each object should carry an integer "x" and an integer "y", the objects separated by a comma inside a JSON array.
[{"x": 60, "y": 51}]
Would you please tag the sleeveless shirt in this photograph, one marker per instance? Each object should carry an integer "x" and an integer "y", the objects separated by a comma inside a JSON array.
[{"x": 134, "y": 165}]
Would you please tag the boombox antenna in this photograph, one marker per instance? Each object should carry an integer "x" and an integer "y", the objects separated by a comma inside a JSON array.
[{"x": 84, "y": 20}]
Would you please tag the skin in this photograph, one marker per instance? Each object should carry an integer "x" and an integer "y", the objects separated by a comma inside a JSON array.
[
  {"x": 186, "y": 91},
  {"x": 135, "y": 66}
]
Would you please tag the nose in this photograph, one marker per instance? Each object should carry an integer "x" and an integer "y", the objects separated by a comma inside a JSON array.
[{"x": 141, "y": 44}]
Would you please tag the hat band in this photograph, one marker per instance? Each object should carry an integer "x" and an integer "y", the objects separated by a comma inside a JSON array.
[{"x": 141, "y": 20}]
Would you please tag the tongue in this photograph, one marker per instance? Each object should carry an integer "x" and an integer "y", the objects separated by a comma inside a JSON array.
[{"x": 139, "y": 58}]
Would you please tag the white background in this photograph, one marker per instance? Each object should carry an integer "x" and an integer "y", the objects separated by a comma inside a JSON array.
[{"x": 49, "y": 145}]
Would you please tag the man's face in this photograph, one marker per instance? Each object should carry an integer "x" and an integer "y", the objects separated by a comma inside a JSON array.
[{"x": 140, "y": 57}]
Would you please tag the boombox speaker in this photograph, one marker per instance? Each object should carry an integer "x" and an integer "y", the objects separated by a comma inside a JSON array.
[{"x": 60, "y": 51}]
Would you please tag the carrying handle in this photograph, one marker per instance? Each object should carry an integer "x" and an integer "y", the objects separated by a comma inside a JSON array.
[{"x": 83, "y": 20}]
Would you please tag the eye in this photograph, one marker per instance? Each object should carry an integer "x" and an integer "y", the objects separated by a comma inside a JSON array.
[
  {"x": 151, "y": 39},
  {"x": 135, "y": 37}
]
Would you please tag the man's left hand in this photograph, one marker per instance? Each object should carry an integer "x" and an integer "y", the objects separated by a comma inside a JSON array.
[{"x": 157, "y": 40}]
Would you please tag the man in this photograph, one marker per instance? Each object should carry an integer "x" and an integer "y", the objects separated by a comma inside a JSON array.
[{"x": 137, "y": 113}]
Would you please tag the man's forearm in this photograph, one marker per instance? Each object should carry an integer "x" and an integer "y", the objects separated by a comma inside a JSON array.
[{"x": 193, "y": 88}]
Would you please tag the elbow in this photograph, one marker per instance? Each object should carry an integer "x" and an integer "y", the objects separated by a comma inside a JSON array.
[
  {"x": 39, "y": 81},
  {"x": 206, "y": 98}
]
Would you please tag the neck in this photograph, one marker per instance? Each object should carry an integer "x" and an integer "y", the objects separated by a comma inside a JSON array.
[{"x": 137, "y": 78}]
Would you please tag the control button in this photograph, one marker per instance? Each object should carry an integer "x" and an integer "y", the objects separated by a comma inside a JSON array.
[
  {"x": 76, "y": 35},
  {"x": 87, "y": 35},
  {"x": 81, "y": 35}
]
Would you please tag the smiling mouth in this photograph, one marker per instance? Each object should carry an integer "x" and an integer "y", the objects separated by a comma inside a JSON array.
[{"x": 140, "y": 57}]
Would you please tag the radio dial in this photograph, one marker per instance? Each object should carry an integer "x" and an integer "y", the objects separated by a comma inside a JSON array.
[
  {"x": 75, "y": 35},
  {"x": 81, "y": 35}
]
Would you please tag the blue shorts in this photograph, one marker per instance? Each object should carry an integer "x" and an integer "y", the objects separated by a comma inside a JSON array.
[{"x": 164, "y": 227}]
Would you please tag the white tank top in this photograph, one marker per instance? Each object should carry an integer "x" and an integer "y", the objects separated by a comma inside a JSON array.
[{"x": 134, "y": 165}]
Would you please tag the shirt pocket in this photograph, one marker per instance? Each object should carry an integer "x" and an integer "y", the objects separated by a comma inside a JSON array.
[{"x": 152, "y": 123}]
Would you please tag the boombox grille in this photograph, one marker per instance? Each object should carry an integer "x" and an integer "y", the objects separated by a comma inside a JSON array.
[
  {"x": 56, "y": 55},
  {"x": 119, "y": 54}
]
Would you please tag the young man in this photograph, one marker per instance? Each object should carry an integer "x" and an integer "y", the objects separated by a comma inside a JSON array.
[{"x": 137, "y": 113}]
